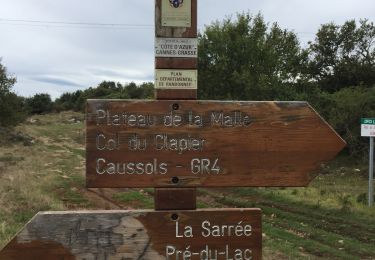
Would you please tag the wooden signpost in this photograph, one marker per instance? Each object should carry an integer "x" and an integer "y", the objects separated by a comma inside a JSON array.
[
  {"x": 176, "y": 144},
  {"x": 172, "y": 36}
]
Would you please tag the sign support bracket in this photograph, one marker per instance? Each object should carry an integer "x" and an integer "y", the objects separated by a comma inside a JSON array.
[{"x": 371, "y": 174}]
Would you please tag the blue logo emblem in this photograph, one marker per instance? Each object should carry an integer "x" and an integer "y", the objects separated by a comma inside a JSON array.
[{"x": 176, "y": 3}]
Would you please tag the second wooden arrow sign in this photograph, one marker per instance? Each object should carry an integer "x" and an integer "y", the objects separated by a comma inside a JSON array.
[{"x": 205, "y": 143}]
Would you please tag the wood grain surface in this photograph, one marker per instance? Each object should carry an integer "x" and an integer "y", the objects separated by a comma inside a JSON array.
[
  {"x": 176, "y": 63},
  {"x": 208, "y": 144},
  {"x": 173, "y": 94},
  {"x": 149, "y": 235},
  {"x": 175, "y": 198}
]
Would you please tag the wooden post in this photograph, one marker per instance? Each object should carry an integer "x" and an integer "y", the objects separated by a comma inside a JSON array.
[{"x": 180, "y": 198}]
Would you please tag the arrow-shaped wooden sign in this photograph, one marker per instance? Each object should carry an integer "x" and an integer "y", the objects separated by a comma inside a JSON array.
[
  {"x": 205, "y": 143},
  {"x": 202, "y": 234}
]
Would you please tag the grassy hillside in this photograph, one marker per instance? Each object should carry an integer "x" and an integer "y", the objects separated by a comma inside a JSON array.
[{"x": 43, "y": 169}]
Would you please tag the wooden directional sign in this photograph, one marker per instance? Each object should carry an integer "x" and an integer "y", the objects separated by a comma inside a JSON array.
[
  {"x": 150, "y": 235},
  {"x": 205, "y": 143}
]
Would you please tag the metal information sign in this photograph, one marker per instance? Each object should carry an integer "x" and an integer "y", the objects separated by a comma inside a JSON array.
[
  {"x": 176, "y": 79},
  {"x": 176, "y": 47},
  {"x": 368, "y": 127},
  {"x": 176, "y": 13}
]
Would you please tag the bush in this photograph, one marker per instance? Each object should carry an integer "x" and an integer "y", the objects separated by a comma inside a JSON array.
[
  {"x": 39, "y": 104},
  {"x": 105, "y": 90},
  {"x": 344, "y": 110},
  {"x": 11, "y": 106}
]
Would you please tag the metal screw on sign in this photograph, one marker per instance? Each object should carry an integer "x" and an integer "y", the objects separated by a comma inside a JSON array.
[{"x": 175, "y": 180}]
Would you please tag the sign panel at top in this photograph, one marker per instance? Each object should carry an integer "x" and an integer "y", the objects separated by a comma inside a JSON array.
[
  {"x": 368, "y": 127},
  {"x": 176, "y": 13},
  {"x": 205, "y": 143},
  {"x": 176, "y": 47}
]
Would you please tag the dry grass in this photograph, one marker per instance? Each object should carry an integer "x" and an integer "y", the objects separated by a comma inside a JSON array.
[{"x": 29, "y": 175}]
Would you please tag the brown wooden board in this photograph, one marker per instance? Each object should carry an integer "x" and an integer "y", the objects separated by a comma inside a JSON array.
[
  {"x": 176, "y": 63},
  {"x": 179, "y": 94},
  {"x": 203, "y": 234},
  {"x": 205, "y": 143},
  {"x": 175, "y": 198}
]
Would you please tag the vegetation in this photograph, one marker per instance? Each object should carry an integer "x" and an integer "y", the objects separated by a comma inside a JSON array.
[
  {"x": 138, "y": 199},
  {"x": 11, "y": 105},
  {"x": 39, "y": 104},
  {"x": 247, "y": 59},
  {"x": 343, "y": 56},
  {"x": 107, "y": 89}
]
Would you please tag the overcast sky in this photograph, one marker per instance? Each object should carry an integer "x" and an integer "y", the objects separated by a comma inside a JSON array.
[{"x": 54, "y": 58}]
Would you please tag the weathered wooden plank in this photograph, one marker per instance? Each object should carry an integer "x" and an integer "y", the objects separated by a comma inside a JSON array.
[
  {"x": 202, "y": 234},
  {"x": 173, "y": 94},
  {"x": 176, "y": 63},
  {"x": 175, "y": 32},
  {"x": 175, "y": 199},
  {"x": 205, "y": 143}
]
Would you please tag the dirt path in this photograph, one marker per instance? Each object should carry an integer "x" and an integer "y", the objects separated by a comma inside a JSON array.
[
  {"x": 100, "y": 199},
  {"x": 327, "y": 235}
]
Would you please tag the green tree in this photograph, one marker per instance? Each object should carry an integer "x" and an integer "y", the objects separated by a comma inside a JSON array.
[
  {"x": 65, "y": 102},
  {"x": 106, "y": 89},
  {"x": 344, "y": 110},
  {"x": 144, "y": 91},
  {"x": 39, "y": 104},
  {"x": 248, "y": 59},
  {"x": 11, "y": 105},
  {"x": 343, "y": 56}
]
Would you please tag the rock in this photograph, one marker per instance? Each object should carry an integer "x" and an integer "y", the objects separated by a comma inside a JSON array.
[{"x": 9, "y": 136}]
